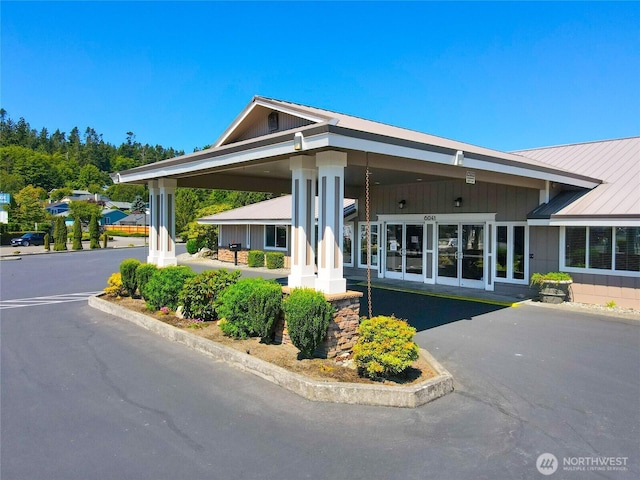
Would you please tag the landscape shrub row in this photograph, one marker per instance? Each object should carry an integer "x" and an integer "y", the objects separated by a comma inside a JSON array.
[{"x": 252, "y": 307}]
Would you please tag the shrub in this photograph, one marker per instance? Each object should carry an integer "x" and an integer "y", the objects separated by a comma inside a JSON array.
[
  {"x": 47, "y": 242},
  {"x": 115, "y": 288},
  {"x": 164, "y": 286},
  {"x": 275, "y": 260},
  {"x": 143, "y": 274},
  {"x": 200, "y": 295},
  {"x": 59, "y": 235},
  {"x": 94, "y": 232},
  {"x": 385, "y": 347},
  {"x": 128, "y": 271},
  {"x": 192, "y": 246},
  {"x": 307, "y": 314},
  {"x": 255, "y": 258},
  {"x": 77, "y": 235},
  {"x": 250, "y": 307},
  {"x": 539, "y": 279}
]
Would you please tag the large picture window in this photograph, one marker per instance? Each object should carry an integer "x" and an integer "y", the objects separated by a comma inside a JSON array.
[
  {"x": 511, "y": 253},
  {"x": 365, "y": 249},
  {"x": 275, "y": 237},
  {"x": 601, "y": 249}
]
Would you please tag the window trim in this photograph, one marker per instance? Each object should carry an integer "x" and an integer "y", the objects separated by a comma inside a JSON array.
[
  {"x": 353, "y": 234},
  {"x": 363, "y": 225},
  {"x": 510, "y": 236},
  {"x": 275, "y": 248},
  {"x": 588, "y": 270}
]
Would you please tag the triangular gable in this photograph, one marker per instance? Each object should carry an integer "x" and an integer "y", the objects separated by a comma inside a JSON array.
[{"x": 254, "y": 120}]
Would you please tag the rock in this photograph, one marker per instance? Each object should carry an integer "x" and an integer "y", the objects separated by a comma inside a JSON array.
[{"x": 179, "y": 312}]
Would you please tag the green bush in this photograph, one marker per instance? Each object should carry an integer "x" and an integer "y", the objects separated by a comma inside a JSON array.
[
  {"x": 201, "y": 294},
  {"x": 251, "y": 307},
  {"x": 307, "y": 314},
  {"x": 60, "y": 235},
  {"x": 385, "y": 347},
  {"x": 192, "y": 246},
  {"x": 165, "y": 285},
  {"x": 94, "y": 232},
  {"x": 255, "y": 258},
  {"x": 143, "y": 273},
  {"x": 275, "y": 260},
  {"x": 128, "y": 271},
  {"x": 47, "y": 242},
  {"x": 77, "y": 235}
]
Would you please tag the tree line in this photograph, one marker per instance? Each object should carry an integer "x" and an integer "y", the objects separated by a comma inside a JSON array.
[{"x": 37, "y": 165}]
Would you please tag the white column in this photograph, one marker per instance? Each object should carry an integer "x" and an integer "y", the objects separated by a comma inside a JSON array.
[
  {"x": 154, "y": 217},
  {"x": 303, "y": 213},
  {"x": 330, "y": 221},
  {"x": 167, "y": 247}
]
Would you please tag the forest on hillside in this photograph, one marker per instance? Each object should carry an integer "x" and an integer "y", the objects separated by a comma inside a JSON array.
[{"x": 37, "y": 166}]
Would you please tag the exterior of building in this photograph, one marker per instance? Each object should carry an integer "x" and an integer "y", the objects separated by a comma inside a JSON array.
[{"x": 443, "y": 212}]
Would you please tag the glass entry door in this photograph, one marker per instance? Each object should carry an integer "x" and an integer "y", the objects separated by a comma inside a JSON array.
[
  {"x": 404, "y": 255},
  {"x": 461, "y": 255}
]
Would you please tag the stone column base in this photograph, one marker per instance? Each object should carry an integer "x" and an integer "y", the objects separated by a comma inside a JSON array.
[{"x": 342, "y": 333}]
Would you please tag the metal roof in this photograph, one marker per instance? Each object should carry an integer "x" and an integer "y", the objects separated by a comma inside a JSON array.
[
  {"x": 274, "y": 210},
  {"x": 616, "y": 162}
]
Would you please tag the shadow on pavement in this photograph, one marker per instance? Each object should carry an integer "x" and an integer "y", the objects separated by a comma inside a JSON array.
[{"x": 421, "y": 311}]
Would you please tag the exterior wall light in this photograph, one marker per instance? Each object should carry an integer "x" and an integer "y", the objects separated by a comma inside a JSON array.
[
  {"x": 401, "y": 204},
  {"x": 457, "y": 202},
  {"x": 297, "y": 141}
]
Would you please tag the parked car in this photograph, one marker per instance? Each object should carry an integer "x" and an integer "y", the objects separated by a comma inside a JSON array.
[{"x": 30, "y": 238}]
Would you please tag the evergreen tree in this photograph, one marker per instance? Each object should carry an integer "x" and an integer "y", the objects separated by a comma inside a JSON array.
[
  {"x": 59, "y": 235},
  {"x": 94, "y": 232},
  {"x": 77, "y": 235}
]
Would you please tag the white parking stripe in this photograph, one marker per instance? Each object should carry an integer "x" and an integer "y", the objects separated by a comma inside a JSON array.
[{"x": 48, "y": 300}]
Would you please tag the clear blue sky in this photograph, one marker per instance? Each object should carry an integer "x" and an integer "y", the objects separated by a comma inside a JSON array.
[{"x": 503, "y": 75}]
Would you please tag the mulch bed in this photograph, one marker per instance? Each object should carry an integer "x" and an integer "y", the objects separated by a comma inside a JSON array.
[{"x": 283, "y": 355}]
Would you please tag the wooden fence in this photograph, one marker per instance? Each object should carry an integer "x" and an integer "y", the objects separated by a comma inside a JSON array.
[{"x": 128, "y": 228}]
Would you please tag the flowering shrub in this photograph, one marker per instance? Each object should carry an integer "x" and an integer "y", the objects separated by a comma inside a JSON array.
[
  {"x": 385, "y": 347},
  {"x": 115, "y": 288},
  {"x": 165, "y": 310}
]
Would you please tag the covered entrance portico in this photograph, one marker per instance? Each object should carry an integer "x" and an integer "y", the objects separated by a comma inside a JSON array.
[{"x": 282, "y": 147}]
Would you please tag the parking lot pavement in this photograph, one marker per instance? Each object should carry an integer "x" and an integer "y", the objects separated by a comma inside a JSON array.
[{"x": 117, "y": 242}]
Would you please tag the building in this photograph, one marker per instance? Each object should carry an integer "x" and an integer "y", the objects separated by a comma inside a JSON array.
[{"x": 442, "y": 211}]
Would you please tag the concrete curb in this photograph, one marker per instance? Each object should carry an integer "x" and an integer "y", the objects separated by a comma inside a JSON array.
[{"x": 351, "y": 393}]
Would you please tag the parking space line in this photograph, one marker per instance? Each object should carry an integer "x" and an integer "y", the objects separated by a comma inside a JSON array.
[{"x": 46, "y": 300}]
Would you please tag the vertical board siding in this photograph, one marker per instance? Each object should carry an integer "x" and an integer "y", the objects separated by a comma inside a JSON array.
[
  {"x": 508, "y": 202},
  {"x": 261, "y": 127}
]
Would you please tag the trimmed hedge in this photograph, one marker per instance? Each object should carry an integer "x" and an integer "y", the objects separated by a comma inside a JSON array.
[
  {"x": 255, "y": 258},
  {"x": 144, "y": 272},
  {"x": 200, "y": 295},
  {"x": 251, "y": 307},
  {"x": 275, "y": 260},
  {"x": 308, "y": 315},
  {"x": 192, "y": 246},
  {"x": 164, "y": 287},
  {"x": 385, "y": 347},
  {"x": 128, "y": 271}
]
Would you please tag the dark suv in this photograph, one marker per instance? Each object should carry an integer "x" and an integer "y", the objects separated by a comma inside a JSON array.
[{"x": 31, "y": 238}]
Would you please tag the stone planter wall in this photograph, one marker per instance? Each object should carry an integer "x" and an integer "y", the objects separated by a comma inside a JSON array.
[
  {"x": 226, "y": 255},
  {"x": 343, "y": 328},
  {"x": 555, "y": 292}
]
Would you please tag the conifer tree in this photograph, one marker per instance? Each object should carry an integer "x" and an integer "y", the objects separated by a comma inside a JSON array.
[
  {"x": 60, "y": 235},
  {"x": 94, "y": 232},
  {"x": 77, "y": 235}
]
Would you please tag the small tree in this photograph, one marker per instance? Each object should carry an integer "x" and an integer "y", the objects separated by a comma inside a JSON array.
[
  {"x": 59, "y": 235},
  {"x": 47, "y": 241},
  {"x": 128, "y": 274},
  {"x": 307, "y": 315},
  {"x": 94, "y": 232},
  {"x": 138, "y": 205},
  {"x": 77, "y": 235}
]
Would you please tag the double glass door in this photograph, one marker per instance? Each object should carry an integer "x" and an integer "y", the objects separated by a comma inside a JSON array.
[
  {"x": 461, "y": 255},
  {"x": 404, "y": 255}
]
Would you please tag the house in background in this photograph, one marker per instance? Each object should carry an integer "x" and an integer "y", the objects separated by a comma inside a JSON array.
[
  {"x": 57, "y": 208},
  {"x": 111, "y": 216},
  {"x": 444, "y": 212},
  {"x": 132, "y": 223},
  {"x": 267, "y": 226}
]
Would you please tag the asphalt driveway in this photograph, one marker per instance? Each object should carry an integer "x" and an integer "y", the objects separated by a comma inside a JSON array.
[{"x": 87, "y": 395}]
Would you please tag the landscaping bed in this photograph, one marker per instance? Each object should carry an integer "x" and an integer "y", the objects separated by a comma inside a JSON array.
[{"x": 339, "y": 369}]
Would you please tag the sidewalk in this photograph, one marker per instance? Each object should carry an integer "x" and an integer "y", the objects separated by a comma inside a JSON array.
[{"x": 7, "y": 251}]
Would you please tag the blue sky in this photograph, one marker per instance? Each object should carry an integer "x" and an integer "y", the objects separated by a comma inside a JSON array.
[{"x": 504, "y": 75}]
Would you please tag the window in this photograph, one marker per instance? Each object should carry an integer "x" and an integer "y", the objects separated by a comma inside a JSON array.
[
  {"x": 364, "y": 247},
  {"x": 511, "y": 253},
  {"x": 347, "y": 244},
  {"x": 275, "y": 237},
  {"x": 601, "y": 249}
]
